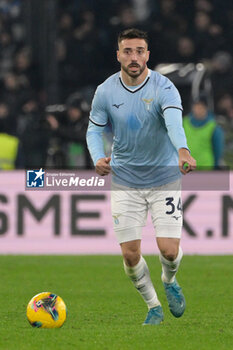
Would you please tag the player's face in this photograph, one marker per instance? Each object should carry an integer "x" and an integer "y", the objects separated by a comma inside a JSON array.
[{"x": 133, "y": 55}]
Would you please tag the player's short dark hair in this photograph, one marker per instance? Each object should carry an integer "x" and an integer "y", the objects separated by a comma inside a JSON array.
[{"x": 133, "y": 33}]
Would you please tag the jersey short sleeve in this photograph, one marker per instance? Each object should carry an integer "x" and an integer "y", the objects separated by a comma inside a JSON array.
[
  {"x": 98, "y": 114},
  {"x": 169, "y": 96}
]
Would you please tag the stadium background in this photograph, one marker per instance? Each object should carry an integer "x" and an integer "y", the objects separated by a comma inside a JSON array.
[{"x": 53, "y": 55}]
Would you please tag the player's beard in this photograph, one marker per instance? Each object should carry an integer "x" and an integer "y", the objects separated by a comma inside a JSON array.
[{"x": 134, "y": 74}]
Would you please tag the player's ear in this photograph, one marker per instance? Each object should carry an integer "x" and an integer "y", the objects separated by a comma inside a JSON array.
[
  {"x": 118, "y": 55},
  {"x": 148, "y": 56}
]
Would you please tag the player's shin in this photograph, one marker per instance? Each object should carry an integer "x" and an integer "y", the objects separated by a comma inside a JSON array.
[
  {"x": 170, "y": 268},
  {"x": 140, "y": 276}
]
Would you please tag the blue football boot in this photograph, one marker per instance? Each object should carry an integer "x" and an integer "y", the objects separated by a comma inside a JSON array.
[
  {"x": 175, "y": 298},
  {"x": 154, "y": 316}
]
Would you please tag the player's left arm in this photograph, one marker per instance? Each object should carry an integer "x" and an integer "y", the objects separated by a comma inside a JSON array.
[
  {"x": 171, "y": 106},
  {"x": 173, "y": 121}
]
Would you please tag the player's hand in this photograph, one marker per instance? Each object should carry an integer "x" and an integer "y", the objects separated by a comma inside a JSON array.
[
  {"x": 186, "y": 162},
  {"x": 102, "y": 166}
]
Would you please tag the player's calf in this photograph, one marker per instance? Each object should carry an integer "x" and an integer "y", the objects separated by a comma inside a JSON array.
[{"x": 140, "y": 277}]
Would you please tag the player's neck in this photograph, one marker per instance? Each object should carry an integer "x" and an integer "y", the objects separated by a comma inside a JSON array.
[{"x": 131, "y": 81}]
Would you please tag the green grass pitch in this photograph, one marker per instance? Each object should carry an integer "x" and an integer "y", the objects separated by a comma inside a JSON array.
[{"x": 105, "y": 312}]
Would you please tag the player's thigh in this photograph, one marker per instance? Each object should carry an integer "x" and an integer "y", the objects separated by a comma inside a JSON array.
[
  {"x": 166, "y": 210},
  {"x": 129, "y": 213}
]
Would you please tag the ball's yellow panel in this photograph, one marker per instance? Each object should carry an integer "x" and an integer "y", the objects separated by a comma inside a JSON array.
[{"x": 46, "y": 310}]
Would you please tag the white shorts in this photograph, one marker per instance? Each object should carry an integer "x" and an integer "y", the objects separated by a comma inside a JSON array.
[{"x": 130, "y": 207}]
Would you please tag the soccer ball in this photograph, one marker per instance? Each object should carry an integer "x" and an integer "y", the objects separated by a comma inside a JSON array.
[{"x": 46, "y": 310}]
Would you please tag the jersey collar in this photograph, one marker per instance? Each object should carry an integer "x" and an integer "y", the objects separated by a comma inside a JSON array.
[{"x": 138, "y": 87}]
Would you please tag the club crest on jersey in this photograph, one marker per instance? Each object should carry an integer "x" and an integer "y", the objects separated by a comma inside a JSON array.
[
  {"x": 147, "y": 103},
  {"x": 116, "y": 220}
]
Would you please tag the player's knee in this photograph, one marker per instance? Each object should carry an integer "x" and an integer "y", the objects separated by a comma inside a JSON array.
[
  {"x": 170, "y": 253},
  {"x": 131, "y": 257}
]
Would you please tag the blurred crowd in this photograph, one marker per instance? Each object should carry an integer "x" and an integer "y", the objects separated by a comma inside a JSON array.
[{"x": 44, "y": 135}]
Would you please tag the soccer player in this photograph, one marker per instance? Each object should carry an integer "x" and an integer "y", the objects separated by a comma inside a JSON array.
[{"x": 149, "y": 154}]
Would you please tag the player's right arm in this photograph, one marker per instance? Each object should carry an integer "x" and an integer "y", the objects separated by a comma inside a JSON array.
[{"x": 94, "y": 137}]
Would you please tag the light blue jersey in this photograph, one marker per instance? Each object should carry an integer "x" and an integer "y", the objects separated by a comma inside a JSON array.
[{"x": 147, "y": 127}]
